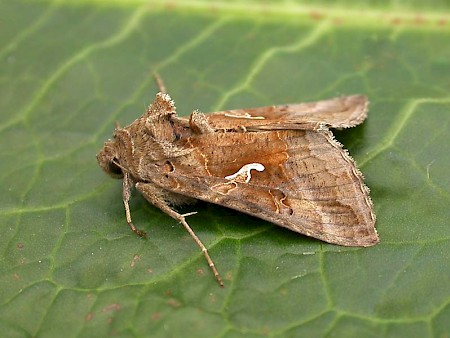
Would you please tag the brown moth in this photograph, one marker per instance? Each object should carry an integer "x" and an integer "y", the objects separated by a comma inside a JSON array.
[{"x": 279, "y": 163}]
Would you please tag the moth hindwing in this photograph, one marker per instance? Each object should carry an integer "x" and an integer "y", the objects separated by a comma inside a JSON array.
[{"x": 278, "y": 163}]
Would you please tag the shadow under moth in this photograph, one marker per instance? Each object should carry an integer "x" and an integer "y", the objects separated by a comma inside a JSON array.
[{"x": 279, "y": 163}]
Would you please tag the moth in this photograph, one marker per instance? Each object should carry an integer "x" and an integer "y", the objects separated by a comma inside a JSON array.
[{"x": 279, "y": 163}]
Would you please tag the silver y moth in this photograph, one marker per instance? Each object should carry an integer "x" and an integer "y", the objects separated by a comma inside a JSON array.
[{"x": 279, "y": 163}]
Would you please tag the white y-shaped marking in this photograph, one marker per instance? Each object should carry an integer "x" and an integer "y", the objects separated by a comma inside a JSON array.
[{"x": 244, "y": 172}]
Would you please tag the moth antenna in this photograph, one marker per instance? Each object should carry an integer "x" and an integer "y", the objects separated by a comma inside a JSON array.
[{"x": 159, "y": 82}]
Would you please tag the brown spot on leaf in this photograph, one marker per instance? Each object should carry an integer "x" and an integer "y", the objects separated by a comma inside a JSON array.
[
  {"x": 89, "y": 316},
  {"x": 396, "y": 21},
  {"x": 170, "y": 5},
  {"x": 315, "y": 15},
  {"x": 265, "y": 331},
  {"x": 173, "y": 303},
  {"x": 156, "y": 316},
  {"x": 134, "y": 260},
  {"x": 442, "y": 22},
  {"x": 229, "y": 275},
  {"x": 111, "y": 307},
  {"x": 419, "y": 20},
  {"x": 337, "y": 21}
]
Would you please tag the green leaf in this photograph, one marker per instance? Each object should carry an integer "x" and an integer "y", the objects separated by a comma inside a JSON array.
[{"x": 71, "y": 267}]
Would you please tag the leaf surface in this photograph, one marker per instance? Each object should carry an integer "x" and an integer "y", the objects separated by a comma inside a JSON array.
[{"x": 71, "y": 267}]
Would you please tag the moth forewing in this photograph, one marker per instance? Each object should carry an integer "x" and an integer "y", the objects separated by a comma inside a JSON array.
[
  {"x": 278, "y": 163},
  {"x": 302, "y": 180}
]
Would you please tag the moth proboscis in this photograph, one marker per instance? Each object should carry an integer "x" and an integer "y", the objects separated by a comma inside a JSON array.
[{"x": 279, "y": 163}]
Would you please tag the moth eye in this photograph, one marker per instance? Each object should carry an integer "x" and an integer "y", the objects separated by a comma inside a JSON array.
[{"x": 114, "y": 168}]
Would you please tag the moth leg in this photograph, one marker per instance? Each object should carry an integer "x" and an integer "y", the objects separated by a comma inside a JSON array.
[
  {"x": 126, "y": 193},
  {"x": 154, "y": 196},
  {"x": 160, "y": 83}
]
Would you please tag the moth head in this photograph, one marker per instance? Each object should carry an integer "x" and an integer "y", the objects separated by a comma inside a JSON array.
[{"x": 108, "y": 159}]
